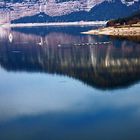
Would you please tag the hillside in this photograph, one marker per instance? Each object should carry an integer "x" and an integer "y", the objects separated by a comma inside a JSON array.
[
  {"x": 133, "y": 19},
  {"x": 65, "y": 10},
  {"x": 104, "y": 11}
]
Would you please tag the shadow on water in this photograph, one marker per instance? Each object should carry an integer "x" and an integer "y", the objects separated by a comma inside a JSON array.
[
  {"x": 111, "y": 65},
  {"x": 43, "y": 31}
]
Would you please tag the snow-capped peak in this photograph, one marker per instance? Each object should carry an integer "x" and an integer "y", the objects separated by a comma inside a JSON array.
[{"x": 129, "y": 2}]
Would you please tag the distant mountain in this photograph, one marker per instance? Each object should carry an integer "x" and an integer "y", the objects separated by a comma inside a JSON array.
[
  {"x": 104, "y": 11},
  {"x": 113, "y": 10},
  {"x": 65, "y": 10}
]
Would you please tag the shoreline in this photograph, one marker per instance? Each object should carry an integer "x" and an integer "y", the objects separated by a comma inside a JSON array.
[
  {"x": 82, "y": 23},
  {"x": 120, "y": 31}
]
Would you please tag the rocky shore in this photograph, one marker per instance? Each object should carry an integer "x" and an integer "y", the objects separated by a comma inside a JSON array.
[{"x": 119, "y": 31}]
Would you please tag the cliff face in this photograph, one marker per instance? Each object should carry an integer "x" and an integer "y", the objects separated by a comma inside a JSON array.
[{"x": 66, "y": 10}]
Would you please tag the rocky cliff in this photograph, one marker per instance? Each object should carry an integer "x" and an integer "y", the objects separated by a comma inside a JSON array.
[{"x": 65, "y": 10}]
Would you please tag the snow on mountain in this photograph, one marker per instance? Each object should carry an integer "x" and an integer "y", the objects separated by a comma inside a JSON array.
[
  {"x": 129, "y": 2},
  {"x": 15, "y": 9}
]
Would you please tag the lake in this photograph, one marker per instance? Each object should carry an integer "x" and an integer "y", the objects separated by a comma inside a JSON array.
[{"x": 58, "y": 84}]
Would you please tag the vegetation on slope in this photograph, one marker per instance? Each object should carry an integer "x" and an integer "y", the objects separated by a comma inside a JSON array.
[{"x": 133, "y": 19}]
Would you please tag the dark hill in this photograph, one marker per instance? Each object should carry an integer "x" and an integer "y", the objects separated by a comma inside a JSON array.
[{"x": 133, "y": 19}]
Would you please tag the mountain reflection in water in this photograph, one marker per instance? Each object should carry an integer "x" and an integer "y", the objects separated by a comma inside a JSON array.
[
  {"x": 104, "y": 66},
  {"x": 43, "y": 86}
]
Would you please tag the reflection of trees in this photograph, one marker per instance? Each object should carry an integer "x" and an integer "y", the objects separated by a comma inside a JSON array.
[{"x": 102, "y": 66}]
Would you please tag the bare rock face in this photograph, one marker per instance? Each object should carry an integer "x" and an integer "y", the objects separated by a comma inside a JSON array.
[
  {"x": 15, "y": 9},
  {"x": 129, "y": 2}
]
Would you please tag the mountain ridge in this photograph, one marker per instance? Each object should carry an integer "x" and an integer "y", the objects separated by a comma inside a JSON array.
[
  {"x": 65, "y": 10},
  {"x": 103, "y": 11}
]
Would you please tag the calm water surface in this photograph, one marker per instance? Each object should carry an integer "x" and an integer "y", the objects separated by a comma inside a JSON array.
[{"x": 55, "y": 86}]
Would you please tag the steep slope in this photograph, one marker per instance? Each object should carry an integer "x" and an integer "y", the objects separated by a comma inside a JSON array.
[
  {"x": 65, "y": 10},
  {"x": 104, "y": 11}
]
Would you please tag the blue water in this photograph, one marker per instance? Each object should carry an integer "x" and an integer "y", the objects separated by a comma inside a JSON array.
[{"x": 52, "y": 89}]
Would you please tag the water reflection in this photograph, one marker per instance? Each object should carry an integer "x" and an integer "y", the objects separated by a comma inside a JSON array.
[
  {"x": 42, "y": 95},
  {"x": 104, "y": 65}
]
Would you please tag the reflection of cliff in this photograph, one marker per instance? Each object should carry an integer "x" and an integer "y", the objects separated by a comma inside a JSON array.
[{"x": 102, "y": 66}]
